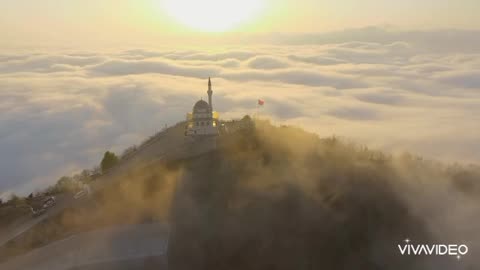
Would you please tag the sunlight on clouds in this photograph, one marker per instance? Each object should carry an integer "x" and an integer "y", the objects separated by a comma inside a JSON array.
[{"x": 396, "y": 91}]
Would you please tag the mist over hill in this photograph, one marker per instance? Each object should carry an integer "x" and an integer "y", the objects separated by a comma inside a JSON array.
[
  {"x": 281, "y": 198},
  {"x": 272, "y": 197}
]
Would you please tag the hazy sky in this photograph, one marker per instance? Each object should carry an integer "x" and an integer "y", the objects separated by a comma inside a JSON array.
[
  {"x": 79, "y": 77},
  {"x": 145, "y": 21}
]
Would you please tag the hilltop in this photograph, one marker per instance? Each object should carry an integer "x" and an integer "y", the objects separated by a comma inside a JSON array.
[{"x": 275, "y": 197}]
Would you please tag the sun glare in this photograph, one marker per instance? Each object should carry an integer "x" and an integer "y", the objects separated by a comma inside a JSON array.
[{"x": 213, "y": 15}]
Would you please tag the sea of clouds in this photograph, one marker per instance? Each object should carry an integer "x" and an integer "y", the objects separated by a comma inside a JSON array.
[{"x": 392, "y": 90}]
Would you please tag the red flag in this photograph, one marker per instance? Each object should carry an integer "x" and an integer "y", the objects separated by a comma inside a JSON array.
[{"x": 261, "y": 102}]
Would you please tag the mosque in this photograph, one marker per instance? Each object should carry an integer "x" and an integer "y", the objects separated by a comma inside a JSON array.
[{"x": 202, "y": 121}]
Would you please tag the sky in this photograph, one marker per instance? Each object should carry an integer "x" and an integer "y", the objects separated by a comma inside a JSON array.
[
  {"x": 90, "y": 22},
  {"x": 78, "y": 78}
]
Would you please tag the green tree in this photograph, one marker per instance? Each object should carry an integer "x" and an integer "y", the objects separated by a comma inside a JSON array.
[
  {"x": 247, "y": 118},
  {"x": 109, "y": 160},
  {"x": 66, "y": 184}
]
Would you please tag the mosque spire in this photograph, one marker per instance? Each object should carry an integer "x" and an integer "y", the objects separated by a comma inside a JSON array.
[{"x": 210, "y": 92}]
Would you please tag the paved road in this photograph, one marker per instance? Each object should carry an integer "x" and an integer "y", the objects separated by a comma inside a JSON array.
[
  {"x": 168, "y": 141},
  {"x": 130, "y": 246},
  {"x": 170, "y": 144},
  {"x": 17, "y": 229}
]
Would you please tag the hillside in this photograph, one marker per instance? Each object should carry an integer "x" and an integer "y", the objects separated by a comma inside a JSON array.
[
  {"x": 272, "y": 197},
  {"x": 281, "y": 198}
]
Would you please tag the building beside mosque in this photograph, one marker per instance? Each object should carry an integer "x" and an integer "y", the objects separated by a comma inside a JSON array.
[{"x": 203, "y": 121}]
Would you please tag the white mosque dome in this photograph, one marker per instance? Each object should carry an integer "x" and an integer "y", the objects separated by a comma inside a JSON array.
[{"x": 201, "y": 106}]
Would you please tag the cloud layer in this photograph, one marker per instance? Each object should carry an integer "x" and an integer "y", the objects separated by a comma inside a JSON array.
[{"x": 59, "y": 111}]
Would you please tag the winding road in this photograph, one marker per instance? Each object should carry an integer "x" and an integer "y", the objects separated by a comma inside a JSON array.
[
  {"x": 28, "y": 222},
  {"x": 127, "y": 247},
  {"x": 122, "y": 247}
]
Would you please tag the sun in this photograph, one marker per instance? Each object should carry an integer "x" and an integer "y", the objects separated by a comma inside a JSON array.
[{"x": 213, "y": 15}]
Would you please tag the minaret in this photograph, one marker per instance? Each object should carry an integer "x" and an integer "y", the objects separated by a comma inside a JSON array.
[{"x": 210, "y": 92}]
